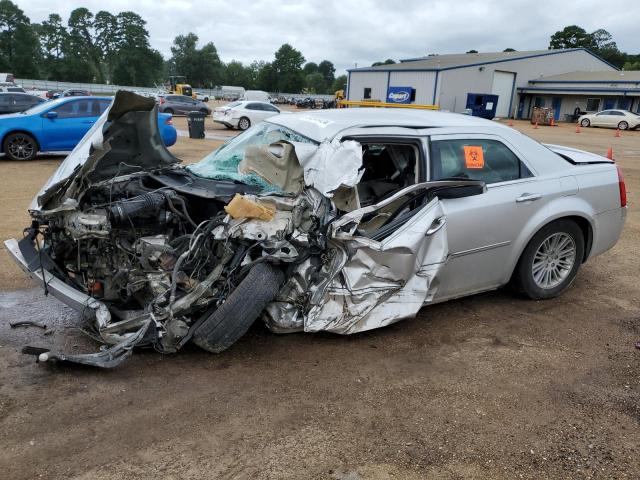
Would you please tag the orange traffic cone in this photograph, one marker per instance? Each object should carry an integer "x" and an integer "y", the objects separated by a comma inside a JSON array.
[
  {"x": 577, "y": 128},
  {"x": 553, "y": 122},
  {"x": 617, "y": 135},
  {"x": 610, "y": 153},
  {"x": 535, "y": 126},
  {"x": 510, "y": 123}
]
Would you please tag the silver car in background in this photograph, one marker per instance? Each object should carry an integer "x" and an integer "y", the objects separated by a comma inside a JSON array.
[
  {"x": 622, "y": 119},
  {"x": 340, "y": 220}
]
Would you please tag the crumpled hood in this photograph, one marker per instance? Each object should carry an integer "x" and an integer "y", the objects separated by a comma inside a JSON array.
[{"x": 124, "y": 140}]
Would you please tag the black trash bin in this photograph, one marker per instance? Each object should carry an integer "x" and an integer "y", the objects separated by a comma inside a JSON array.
[{"x": 195, "y": 120}]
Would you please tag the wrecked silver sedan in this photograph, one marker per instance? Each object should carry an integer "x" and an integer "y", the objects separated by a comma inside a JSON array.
[{"x": 341, "y": 221}]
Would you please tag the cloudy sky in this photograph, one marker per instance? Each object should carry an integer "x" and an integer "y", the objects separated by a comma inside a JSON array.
[{"x": 351, "y": 31}]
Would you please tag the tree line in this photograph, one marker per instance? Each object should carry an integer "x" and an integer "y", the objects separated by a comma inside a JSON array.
[{"x": 115, "y": 48}]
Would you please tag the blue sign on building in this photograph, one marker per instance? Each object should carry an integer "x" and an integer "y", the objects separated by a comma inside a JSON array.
[{"x": 399, "y": 95}]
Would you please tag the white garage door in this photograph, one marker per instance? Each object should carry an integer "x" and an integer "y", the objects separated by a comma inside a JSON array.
[{"x": 503, "y": 87}]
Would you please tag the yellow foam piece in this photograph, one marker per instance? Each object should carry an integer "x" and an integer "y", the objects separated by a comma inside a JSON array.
[{"x": 242, "y": 207}]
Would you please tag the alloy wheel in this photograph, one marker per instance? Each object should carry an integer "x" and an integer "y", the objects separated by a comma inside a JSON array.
[
  {"x": 21, "y": 147},
  {"x": 553, "y": 260}
]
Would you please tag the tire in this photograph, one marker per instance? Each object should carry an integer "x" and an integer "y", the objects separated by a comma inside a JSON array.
[
  {"x": 205, "y": 99},
  {"x": 231, "y": 320},
  {"x": 623, "y": 125},
  {"x": 585, "y": 122},
  {"x": 20, "y": 146},
  {"x": 168, "y": 110},
  {"x": 205, "y": 111},
  {"x": 530, "y": 278},
  {"x": 244, "y": 123}
]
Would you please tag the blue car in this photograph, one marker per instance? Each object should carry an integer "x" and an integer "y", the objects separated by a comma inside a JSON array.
[{"x": 58, "y": 125}]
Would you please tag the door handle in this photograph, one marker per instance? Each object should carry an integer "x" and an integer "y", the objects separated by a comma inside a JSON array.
[
  {"x": 437, "y": 224},
  {"x": 528, "y": 197}
]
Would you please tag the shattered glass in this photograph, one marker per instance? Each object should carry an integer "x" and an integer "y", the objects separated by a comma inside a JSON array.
[{"x": 222, "y": 164}]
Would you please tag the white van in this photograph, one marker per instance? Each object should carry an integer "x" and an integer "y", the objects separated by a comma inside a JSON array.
[{"x": 256, "y": 96}]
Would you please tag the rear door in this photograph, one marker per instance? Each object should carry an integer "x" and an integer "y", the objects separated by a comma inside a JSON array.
[
  {"x": 74, "y": 119},
  {"x": 483, "y": 229}
]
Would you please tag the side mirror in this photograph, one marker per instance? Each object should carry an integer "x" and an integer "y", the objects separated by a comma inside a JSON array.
[{"x": 51, "y": 115}]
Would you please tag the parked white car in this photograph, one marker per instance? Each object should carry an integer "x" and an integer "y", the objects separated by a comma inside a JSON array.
[
  {"x": 622, "y": 119},
  {"x": 242, "y": 115},
  {"x": 203, "y": 97}
]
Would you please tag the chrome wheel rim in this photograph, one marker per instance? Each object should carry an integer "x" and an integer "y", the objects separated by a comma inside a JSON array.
[
  {"x": 623, "y": 125},
  {"x": 21, "y": 147},
  {"x": 554, "y": 260},
  {"x": 244, "y": 124},
  {"x": 585, "y": 123}
]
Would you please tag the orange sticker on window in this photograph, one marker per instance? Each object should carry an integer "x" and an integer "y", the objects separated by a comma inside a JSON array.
[{"x": 473, "y": 157}]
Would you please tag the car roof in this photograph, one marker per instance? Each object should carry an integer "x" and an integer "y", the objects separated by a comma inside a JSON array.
[{"x": 326, "y": 124}]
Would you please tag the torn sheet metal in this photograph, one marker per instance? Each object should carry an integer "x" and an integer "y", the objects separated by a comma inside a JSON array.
[{"x": 331, "y": 165}]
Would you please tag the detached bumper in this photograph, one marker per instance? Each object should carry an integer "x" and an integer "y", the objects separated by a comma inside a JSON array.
[
  {"x": 28, "y": 259},
  {"x": 226, "y": 121}
]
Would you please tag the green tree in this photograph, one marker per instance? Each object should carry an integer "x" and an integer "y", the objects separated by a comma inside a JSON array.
[
  {"x": 472, "y": 51},
  {"x": 267, "y": 77},
  {"x": 572, "y": 36},
  {"x": 328, "y": 71},
  {"x": 19, "y": 48},
  {"x": 340, "y": 83},
  {"x": 236, "y": 74},
  {"x": 388, "y": 61},
  {"x": 202, "y": 67},
  {"x": 82, "y": 58},
  {"x": 315, "y": 83},
  {"x": 288, "y": 69},
  {"x": 310, "y": 68}
]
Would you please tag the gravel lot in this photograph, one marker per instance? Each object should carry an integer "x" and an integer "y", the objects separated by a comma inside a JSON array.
[{"x": 491, "y": 386}]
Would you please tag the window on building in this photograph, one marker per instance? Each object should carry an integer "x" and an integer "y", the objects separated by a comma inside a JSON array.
[
  {"x": 367, "y": 93},
  {"x": 593, "y": 104},
  {"x": 538, "y": 102},
  {"x": 488, "y": 160}
]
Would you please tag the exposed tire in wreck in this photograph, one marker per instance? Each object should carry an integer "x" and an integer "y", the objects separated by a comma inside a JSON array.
[{"x": 233, "y": 318}]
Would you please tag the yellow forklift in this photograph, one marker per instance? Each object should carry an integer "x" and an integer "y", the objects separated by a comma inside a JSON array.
[{"x": 178, "y": 86}]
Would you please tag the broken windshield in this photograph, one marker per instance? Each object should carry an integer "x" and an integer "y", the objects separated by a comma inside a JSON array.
[{"x": 222, "y": 164}]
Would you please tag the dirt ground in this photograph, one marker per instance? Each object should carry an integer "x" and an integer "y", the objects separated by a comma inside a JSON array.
[{"x": 491, "y": 386}]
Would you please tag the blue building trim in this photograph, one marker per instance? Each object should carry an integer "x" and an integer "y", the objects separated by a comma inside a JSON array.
[
  {"x": 435, "y": 88},
  {"x": 513, "y": 91},
  {"x": 586, "y": 81},
  {"x": 525, "y": 57},
  {"x": 577, "y": 89},
  {"x": 346, "y": 94}
]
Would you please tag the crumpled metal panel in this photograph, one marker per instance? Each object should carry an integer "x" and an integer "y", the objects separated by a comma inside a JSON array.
[
  {"x": 366, "y": 284},
  {"x": 330, "y": 165}
]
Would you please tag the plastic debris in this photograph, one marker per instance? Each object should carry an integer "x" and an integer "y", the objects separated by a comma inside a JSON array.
[{"x": 242, "y": 207}]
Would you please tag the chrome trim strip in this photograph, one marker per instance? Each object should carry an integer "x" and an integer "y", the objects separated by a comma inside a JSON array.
[{"x": 480, "y": 249}]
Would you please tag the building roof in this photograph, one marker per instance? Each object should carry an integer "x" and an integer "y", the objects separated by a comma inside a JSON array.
[
  {"x": 326, "y": 124},
  {"x": 604, "y": 76},
  {"x": 459, "y": 60}
]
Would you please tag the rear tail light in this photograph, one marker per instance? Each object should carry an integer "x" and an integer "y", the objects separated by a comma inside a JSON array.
[
  {"x": 169, "y": 121},
  {"x": 622, "y": 187},
  {"x": 161, "y": 100}
]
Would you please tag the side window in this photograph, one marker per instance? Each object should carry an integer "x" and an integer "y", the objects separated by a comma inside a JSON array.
[
  {"x": 102, "y": 106},
  {"x": 75, "y": 109},
  {"x": 605, "y": 112},
  {"x": 271, "y": 108},
  {"x": 615, "y": 112},
  {"x": 253, "y": 106},
  {"x": 488, "y": 160},
  {"x": 367, "y": 93}
]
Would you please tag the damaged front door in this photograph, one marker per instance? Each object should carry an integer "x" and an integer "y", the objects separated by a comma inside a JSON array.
[{"x": 385, "y": 260}]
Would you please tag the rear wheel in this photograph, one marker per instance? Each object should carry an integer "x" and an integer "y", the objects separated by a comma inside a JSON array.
[
  {"x": 20, "y": 146},
  {"x": 244, "y": 123},
  {"x": 585, "y": 122},
  {"x": 551, "y": 260},
  {"x": 623, "y": 125},
  {"x": 231, "y": 320}
]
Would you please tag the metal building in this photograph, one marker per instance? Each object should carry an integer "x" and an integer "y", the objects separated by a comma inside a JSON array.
[
  {"x": 447, "y": 80},
  {"x": 574, "y": 92}
]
